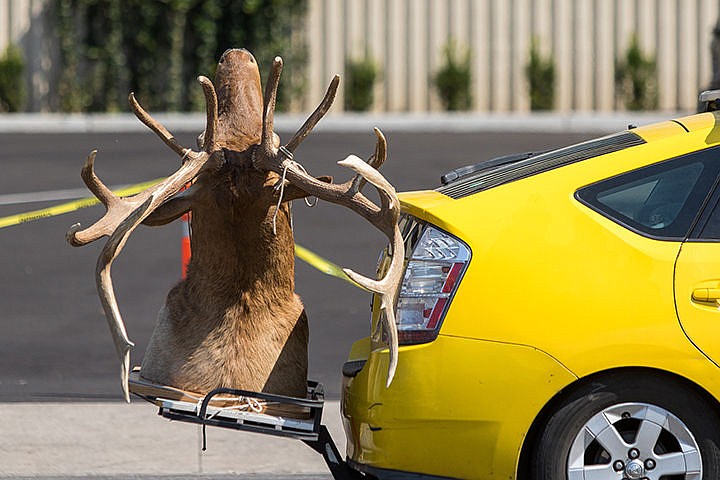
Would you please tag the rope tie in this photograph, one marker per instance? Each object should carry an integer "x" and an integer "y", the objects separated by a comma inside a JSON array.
[
  {"x": 245, "y": 404},
  {"x": 281, "y": 186},
  {"x": 280, "y": 197}
]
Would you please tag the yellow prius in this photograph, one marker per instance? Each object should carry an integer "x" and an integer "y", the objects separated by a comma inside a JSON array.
[{"x": 558, "y": 319}]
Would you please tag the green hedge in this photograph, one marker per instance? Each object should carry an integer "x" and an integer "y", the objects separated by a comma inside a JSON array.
[
  {"x": 540, "y": 73},
  {"x": 454, "y": 78},
  {"x": 636, "y": 80},
  {"x": 360, "y": 75},
  {"x": 12, "y": 85},
  {"x": 158, "y": 48}
]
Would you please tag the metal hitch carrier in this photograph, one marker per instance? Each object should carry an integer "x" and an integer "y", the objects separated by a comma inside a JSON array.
[{"x": 278, "y": 415}]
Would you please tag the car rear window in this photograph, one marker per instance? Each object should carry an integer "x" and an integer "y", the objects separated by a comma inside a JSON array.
[
  {"x": 661, "y": 200},
  {"x": 540, "y": 163}
]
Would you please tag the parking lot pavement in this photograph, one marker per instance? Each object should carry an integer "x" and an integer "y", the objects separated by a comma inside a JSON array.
[
  {"x": 116, "y": 440},
  {"x": 199, "y": 476}
]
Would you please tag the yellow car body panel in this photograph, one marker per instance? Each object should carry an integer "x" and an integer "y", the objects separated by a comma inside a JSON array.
[
  {"x": 435, "y": 414},
  {"x": 554, "y": 292},
  {"x": 697, "y": 290}
]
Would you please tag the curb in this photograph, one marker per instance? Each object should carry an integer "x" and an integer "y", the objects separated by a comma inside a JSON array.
[{"x": 577, "y": 122}]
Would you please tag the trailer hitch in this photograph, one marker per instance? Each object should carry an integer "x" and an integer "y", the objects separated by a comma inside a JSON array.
[{"x": 277, "y": 415}]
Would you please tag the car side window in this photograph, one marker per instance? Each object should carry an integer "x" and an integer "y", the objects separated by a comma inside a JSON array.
[{"x": 660, "y": 200}]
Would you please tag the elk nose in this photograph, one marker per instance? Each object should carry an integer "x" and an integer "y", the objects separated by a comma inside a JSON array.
[{"x": 243, "y": 54}]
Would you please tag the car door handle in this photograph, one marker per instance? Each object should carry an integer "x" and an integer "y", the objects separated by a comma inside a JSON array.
[{"x": 706, "y": 294}]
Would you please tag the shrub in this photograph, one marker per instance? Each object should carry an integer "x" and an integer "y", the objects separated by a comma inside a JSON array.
[
  {"x": 454, "y": 79},
  {"x": 157, "y": 48},
  {"x": 12, "y": 86},
  {"x": 636, "y": 84},
  {"x": 540, "y": 73},
  {"x": 360, "y": 75}
]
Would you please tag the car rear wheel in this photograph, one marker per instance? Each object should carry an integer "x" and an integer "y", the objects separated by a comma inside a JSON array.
[{"x": 630, "y": 428}]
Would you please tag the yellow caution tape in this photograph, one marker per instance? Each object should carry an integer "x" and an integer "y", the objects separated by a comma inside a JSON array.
[
  {"x": 302, "y": 253},
  {"x": 71, "y": 206},
  {"x": 321, "y": 264}
]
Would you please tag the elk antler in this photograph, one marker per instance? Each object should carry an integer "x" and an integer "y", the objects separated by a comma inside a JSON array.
[
  {"x": 384, "y": 217},
  {"x": 123, "y": 215}
]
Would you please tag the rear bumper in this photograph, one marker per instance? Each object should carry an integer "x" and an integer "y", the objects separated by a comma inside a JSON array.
[{"x": 457, "y": 408}]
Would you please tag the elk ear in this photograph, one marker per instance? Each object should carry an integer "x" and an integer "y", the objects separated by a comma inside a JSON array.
[
  {"x": 168, "y": 211},
  {"x": 292, "y": 192},
  {"x": 172, "y": 209}
]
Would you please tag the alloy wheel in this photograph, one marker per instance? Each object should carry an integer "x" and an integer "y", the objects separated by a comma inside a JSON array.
[{"x": 634, "y": 441}]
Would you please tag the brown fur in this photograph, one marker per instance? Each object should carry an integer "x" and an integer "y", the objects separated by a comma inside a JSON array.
[{"x": 235, "y": 321}]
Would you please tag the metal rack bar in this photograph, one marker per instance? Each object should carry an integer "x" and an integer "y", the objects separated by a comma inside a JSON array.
[{"x": 309, "y": 430}]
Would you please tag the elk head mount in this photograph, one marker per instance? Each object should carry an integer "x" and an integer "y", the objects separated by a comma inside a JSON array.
[{"x": 235, "y": 321}]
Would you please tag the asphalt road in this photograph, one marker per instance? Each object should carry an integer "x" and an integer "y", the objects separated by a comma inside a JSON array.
[
  {"x": 54, "y": 341},
  {"x": 251, "y": 476}
]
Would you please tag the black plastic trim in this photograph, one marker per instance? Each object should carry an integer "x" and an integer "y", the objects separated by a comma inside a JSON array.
[
  {"x": 352, "y": 367},
  {"x": 681, "y": 124},
  {"x": 711, "y": 203},
  {"x": 386, "y": 474},
  {"x": 540, "y": 163},
  {"x": 462, "y": 172}
]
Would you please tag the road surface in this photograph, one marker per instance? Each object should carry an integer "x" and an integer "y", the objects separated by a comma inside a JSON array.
[{"x": 54, "y": 341}]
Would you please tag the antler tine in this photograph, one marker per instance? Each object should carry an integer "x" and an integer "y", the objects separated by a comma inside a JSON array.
[
  {"x": 316, "y": 116},
  {"x": 156, "y": 127},
  {"x": 270, "y": 100},
  {"x": 76, "y": 236},
  {"x": 211, "y": 113},
  {"x": 376, "y": 160},
  {"x": 92, "y": 181},
  {"x": 380, "y": 154},
  {"x": 211, "y": 122}
]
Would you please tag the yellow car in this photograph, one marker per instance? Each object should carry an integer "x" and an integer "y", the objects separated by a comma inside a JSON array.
[{"x": 558, "y": 319}]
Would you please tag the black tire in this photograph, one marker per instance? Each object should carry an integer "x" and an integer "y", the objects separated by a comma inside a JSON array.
[{"x": 612, "y": 396}]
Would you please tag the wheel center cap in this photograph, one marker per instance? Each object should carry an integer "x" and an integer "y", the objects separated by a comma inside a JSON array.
[{"x": 635, "y": 469}]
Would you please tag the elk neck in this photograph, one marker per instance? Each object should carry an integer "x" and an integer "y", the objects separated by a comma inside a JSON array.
[{"x": 235, "y": 252}]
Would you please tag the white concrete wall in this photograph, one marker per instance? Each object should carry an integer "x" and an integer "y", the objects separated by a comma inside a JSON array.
[
  {"x": 585, "y": 37},
  {"x": 406, "y": 38},
  {"x": 23, "y": 23}
]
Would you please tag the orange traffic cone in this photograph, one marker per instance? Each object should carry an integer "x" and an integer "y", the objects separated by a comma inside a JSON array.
[
  {"x": 185, "y": 251},
  {"x": 185, "y": 243}
]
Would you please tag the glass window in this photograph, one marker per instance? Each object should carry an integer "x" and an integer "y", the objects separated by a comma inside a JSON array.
[{"x": 660, "y": 200}]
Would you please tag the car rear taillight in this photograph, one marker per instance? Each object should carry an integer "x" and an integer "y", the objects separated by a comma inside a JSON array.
[{"x": 434, "y": 269}]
